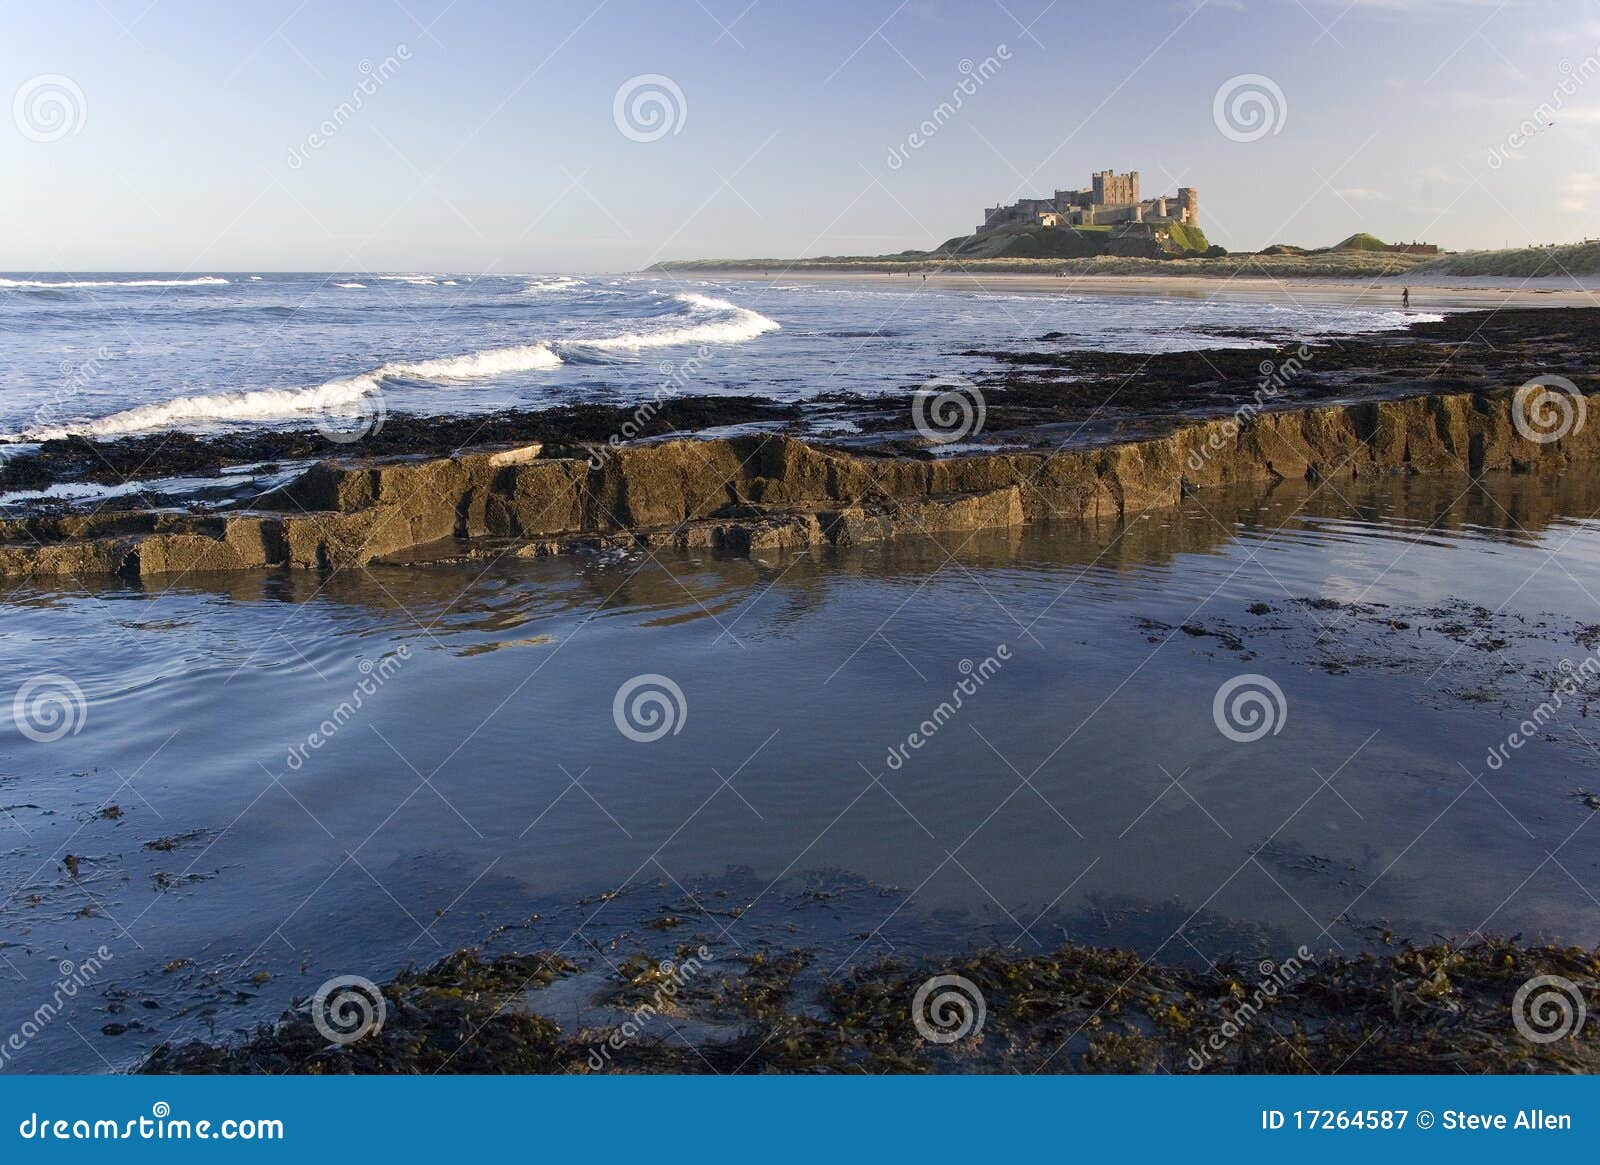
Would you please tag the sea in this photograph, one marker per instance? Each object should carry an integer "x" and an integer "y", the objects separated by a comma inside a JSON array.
[{"x": 1328, "y": 716}]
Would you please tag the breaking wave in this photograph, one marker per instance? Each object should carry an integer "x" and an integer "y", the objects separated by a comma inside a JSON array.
[
  {"x": 733, "y": 325},
  {"x": 52, "y": 284}
]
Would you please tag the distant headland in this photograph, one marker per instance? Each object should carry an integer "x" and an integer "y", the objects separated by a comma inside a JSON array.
[{"x": 1109, "y": 228}]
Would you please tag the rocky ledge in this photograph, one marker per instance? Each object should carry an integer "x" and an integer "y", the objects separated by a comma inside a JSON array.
[{"x": 770, "y": 493}]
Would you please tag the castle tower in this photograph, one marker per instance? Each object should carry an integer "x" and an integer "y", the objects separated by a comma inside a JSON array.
[{"x": 1189, "y": 202}]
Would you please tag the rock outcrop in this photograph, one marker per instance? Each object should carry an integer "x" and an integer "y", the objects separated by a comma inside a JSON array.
[{"x": 769, "y": 494}]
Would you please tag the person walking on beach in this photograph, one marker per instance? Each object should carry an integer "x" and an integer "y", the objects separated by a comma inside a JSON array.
[{"x": 1405, "y": 298}]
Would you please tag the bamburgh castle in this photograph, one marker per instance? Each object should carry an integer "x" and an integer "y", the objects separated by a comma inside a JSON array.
[{"x": 1112, "y": 198}]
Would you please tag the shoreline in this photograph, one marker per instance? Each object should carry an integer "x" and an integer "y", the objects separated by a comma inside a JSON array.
[
  {"x": 1075, "y": 1009},
  {"x": 1426, "y": 294}
]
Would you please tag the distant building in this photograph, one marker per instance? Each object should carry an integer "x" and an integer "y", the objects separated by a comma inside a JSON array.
[
  {"x": 1111, "y": 199},
  {"x": 1413, "y": 248}
]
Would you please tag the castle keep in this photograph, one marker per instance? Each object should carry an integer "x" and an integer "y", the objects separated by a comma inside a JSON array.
[{"x": 1111, "y": 199}]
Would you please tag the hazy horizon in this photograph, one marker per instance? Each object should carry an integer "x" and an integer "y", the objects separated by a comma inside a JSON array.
[{"x": 485, "y": 137}]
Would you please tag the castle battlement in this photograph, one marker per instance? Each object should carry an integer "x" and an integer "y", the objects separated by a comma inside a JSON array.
[{"x": 1111, "y": 198}]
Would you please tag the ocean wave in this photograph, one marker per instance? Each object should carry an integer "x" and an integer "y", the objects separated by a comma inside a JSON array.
[
  {"x": 735, "y": 325},
  {"x": 63, "y": 284},
  {"x": 557, "y": 283},
  {"x": 352, "y": 286},
  {"x": 740, "y": 324},
  {"x": 422, "y": 280}
]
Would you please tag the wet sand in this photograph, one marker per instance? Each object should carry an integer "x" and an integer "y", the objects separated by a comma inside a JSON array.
[{"x": 1428, "y": 293}]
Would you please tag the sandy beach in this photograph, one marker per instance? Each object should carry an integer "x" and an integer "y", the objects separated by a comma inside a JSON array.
[{"x": 1427, "y": 293}]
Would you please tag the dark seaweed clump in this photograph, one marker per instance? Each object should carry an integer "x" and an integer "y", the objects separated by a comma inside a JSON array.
[{"x": 1434, "y": 1009}]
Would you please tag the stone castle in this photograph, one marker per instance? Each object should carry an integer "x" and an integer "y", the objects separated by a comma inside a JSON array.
[{"x": 1111, "y": 199}]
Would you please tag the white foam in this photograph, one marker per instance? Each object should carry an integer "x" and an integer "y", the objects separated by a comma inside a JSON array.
[
  {"x": 740, "y": 324},
  {"x": 200, "y": 281},
  {"x": 351, "y": 286},
  {"x": 735, "y": 325},
  {"x": 557, "y": 283},
  {"x": 427, "y": 280}
]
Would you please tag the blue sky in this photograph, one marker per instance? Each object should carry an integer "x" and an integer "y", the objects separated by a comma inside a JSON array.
[{"x": 176, "y": 135}]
